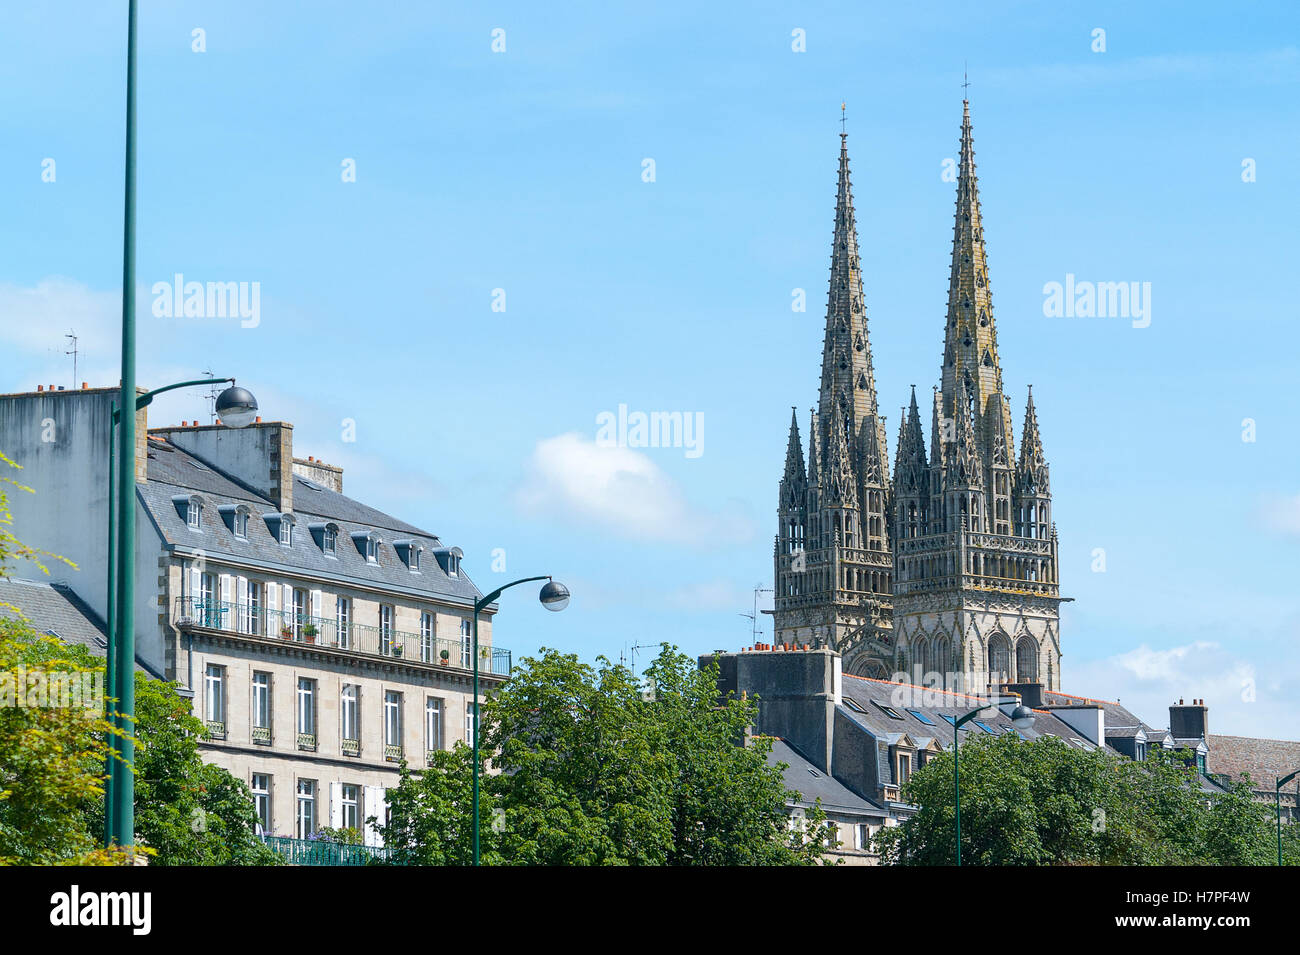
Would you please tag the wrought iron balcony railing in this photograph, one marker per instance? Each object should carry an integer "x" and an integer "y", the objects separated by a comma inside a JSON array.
[
  {"x": 250, "y": 620},
  {"x": 324, "y": 852}
]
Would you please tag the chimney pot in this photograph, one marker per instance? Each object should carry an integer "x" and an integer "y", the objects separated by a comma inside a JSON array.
[
  {"x": 257, "y": 420},
  {"x": 85, "y": 385},
  {"x": 40, "y": 387}
]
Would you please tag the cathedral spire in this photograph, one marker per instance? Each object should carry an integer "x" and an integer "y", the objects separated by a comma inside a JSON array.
[
  {"x": 970, "y": 335},
  {"x": 909, "y": 461},
  {"x": 1033, "y": 462},
  {"x": 848, "y": 384},
  {"x": 795, "y": 476}
]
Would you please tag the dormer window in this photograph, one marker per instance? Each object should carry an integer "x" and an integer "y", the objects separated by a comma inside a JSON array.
[
  {"x": 329, "y": 540},
  {"x": 367, "y": 545},
  {"x": 409, "y": 551},
  {"x": 241, "y": 523},
  {"x": 286, "y": 530},
  {"x": 194, "y": 514}
]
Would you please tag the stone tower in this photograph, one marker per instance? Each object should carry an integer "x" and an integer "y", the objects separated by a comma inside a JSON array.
[
  {"x": 976, "y": 594},
  {"x": 833, "y": 561}
]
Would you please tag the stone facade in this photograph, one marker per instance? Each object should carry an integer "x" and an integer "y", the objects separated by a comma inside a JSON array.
[{"x": 947, "y": 571}]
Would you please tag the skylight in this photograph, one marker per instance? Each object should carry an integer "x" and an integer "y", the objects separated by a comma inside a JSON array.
[
  {"x": 922, "y": 717},
  {"x": 889, "y": 711}
]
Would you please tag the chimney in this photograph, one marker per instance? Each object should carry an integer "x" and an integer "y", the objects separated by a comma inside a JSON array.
[
  {"x": 314, "y": 469},
  {"x": 1189, "y": 721},
  {"x": 260, "y": 455},
  {"x": 1031, "y": 694}
]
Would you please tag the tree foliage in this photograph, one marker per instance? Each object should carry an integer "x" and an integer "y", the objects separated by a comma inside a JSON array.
[
  {"x": 1044, "y": 803},
  {"x": 590, "y": 766}
]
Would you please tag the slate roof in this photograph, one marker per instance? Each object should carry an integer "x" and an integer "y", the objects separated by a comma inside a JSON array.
[
  {"x": 173, "y": 472},
  {"x": 1264, "y": 759},
  {"x": 1119, "y": 720},
  {"x": 867, "y": 692},
  {"x": 812, "y": 784},
  {"x": 55, "y": 609}
]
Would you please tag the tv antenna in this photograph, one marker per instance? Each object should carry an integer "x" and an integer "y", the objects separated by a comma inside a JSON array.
[{"x": 72, "y": 333}]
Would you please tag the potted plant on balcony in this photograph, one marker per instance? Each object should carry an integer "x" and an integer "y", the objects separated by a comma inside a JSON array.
[
  {"x": 309, "y": 632},
  {"x": 397, "y": 649},
  {"x": 444, "y": 657},
  {"x": 286, "y": 632}
]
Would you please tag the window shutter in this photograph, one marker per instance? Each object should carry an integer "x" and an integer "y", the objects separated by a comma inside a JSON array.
[
  {"x": 226, "y": 619},
  {"x": 272, "y": 592},
  {"x": 287, "y": 602},
  {"x": 336, "y": 805},
  {"x": 315, "y": 603},
  {"x": 241, "y": 605},
  {"x": 374, "y": 799},
  {"x": 196, "y": 581}
]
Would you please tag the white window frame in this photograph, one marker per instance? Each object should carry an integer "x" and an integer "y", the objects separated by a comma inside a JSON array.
[
  {"x": 466, "y": 644},
  {"x": 469, "y": 724},
  {"x": 343, "y": 617},
  {"x": 194, "y": 514},
  {"x": 306, "y": 718},
  {"x": 286, "y": 530},
  {"x": 240, "y": 523},
  {"x": 261, "y": 700},
  {"x": 392, "y": 718},
  {"x": 428, "y": 643},
  {"x": 350, "y": 804},
  {"x": 214, "y": 685},
  {"x": 306, "y": 808},
  {"x": 330, "y": 541},
  {"x": 260, "y": 784},
  {"x": 386, "y": 616},
  {"x": 433, "y": 723},
  {"x": 350, "y": 711}
]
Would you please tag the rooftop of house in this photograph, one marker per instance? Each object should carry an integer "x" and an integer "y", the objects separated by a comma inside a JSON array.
[
  {"x": 887, "y": 708},
  {"x": 1264, "y": 760},
  {"x": 812, "y": 784},
  {"x": 174, "y": 473},
  {"x": 55, "y": 610}
]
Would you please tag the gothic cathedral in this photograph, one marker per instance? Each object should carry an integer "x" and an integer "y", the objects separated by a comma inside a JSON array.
[{"x": 947, "y": 573}]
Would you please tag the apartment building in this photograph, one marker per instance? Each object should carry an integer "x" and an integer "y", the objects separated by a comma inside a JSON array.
[{"x": 322, "y": 640}]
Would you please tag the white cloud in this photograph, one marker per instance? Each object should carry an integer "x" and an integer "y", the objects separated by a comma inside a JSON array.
[
  {"x": 35, "y": 319},
  {"x": 1244, "y": 700},
  {"x": 617, "y": 489},
  {"x": 1280, "y": 513}
]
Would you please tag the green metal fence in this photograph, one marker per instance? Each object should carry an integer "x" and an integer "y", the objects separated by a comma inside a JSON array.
[
  {"x": 321, "y": 852},
  {"x": 253, "y": 620}
]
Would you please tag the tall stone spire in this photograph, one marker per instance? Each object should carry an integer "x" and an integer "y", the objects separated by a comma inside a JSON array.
[
  {"x": 1033, "y": 462},
  {"x": 795, "y": 478},
  {"x": 970, "y": 335},
  {"x": 848, "y": 385},
  {"x": 835, "y": 590}
]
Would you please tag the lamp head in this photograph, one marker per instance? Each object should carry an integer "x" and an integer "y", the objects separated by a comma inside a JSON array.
[
  {"x": 554, "y": 595},
  {"x": 1022, "y": 717},
  {"x": 236, "y": 407}
]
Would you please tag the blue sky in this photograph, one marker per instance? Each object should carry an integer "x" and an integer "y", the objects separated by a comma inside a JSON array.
[{"x": 522, "y": 170}]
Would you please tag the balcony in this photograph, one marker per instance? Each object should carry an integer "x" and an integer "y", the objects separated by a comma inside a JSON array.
[
  {"x": 322, "y": 852},
  {"x": 258, "y": 623}
]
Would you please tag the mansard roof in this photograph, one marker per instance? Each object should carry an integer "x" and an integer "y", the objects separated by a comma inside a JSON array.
[
  {"x": 812, "y": 784},
  {"x": 172, "y": 471}
]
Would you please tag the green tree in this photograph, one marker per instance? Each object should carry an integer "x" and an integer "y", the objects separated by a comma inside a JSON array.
[
  {"x": 1044, "y": 803},
  {"x": 592, "y": 768}
]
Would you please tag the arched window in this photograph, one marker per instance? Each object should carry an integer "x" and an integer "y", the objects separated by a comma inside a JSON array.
[
  {"x": 1026, "y": 660},
  {"x": 999, "y": 658}
]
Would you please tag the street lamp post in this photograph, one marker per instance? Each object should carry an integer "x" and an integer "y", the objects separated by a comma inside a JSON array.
[
  {"x": 1277, "y": 793},
  {"x": 235, "y": 407},
  {"x": 1022, "y": 717},
  {"x": 554, "y": 596}
]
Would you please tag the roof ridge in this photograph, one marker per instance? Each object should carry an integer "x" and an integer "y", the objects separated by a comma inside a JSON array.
[{"x": 916, "y": 686}]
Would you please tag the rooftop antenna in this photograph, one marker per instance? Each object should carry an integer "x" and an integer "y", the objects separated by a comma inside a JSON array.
[
  {"x": 211, "y": 396},
  {"x": 753, "y": 617},
  {"x": 72, "y": 333}
]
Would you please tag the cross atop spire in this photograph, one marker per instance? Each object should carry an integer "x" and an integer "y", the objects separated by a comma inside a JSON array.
[
  {"x": 843, "y": 120},
  {"x": 965, "y": 85}
]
